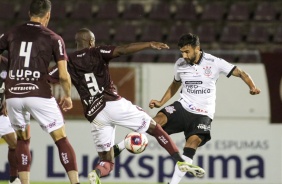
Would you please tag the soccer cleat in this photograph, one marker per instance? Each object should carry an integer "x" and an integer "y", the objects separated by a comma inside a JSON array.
[
  {"x": 192, "y": 169},
  {"x": 94, "y": 178},
  {"x": 16, "y": 181},
  {"x": 116, "y": 150}
]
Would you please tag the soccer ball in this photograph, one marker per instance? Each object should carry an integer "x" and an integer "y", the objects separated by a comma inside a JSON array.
[{"x": 135, "y": 142}]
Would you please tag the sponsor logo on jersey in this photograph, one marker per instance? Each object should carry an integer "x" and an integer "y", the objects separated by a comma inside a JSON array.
[
  {"x": 80, "y": 55},
  {"x": 204, "y": 127},
  {"x": 105, "y": 51},
  {"x": 96, "y": 104},
  {"x": 170, "y": 109},
  {"x": 193, "y": 82},
  {"x": 208, "y": 71},
  {"x": 195, "y": 89},
  {"x": 61, "y": 47},
  {"x": 21, "y": 74},
  {"x": 53, "y": 71},
  {"x": 23, "y": 88},
  {"x": 3, "y": 74}
]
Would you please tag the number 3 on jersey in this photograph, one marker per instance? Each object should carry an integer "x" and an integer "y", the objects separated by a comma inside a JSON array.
[
  {"x": 92, "y": 84},
  {"x": 25, "y": 52}
]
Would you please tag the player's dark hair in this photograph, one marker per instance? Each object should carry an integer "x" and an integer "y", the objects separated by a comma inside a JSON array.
[
  {"x": 189, "y": 39},
  {"x": 39, "y": 8}
]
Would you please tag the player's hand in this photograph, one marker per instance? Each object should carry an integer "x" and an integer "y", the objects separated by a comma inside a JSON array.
[
  {"x": 155, "y": 103},
  {"x": 66, "y": 103},
  {"x": 254, "y": 91},
  {"x": 159, "y": 45}
]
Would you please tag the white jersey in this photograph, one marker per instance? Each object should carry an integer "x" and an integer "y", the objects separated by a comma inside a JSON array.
[{"x": 198, "y": 91}]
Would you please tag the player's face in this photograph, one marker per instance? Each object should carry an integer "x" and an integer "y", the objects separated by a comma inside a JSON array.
[{"x": 189, "y": 54}]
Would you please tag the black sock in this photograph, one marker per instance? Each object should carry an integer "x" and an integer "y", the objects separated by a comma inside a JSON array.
[
  {"x": 12, "y": 178},
  {"x": 189, "y": 152},
  {"x": 177, "y": 157}
]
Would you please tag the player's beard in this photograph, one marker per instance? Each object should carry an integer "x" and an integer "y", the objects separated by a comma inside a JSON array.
[{"x": 192, "y": 60}]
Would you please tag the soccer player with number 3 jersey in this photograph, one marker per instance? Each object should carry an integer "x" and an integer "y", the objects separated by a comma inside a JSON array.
[{"x": 104, "y": 108}]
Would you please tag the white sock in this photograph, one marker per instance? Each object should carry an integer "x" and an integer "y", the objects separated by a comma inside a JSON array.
[
  {"x": 177, "y": 174},
  {"x": 121, "y": 145}
]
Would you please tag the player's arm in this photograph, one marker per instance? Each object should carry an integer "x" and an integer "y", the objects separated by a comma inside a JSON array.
[
  {"x": 237, "y": 72},
  {"x": 65, "y": 82},
  {"x": 135, "y": 47},
  {"x": 170, "y": 92}
]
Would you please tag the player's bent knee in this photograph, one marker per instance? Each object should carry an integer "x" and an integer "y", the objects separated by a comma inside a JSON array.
[{"x": 105, "y": 168}]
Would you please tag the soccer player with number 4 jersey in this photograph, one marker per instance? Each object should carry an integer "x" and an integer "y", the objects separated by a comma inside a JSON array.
[{"x": 31, "y": 47}]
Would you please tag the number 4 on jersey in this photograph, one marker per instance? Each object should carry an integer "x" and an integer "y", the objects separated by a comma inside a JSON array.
[{"x": 25, "y": 52}]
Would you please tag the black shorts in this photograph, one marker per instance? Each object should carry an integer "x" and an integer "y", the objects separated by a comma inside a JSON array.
[{"x": 180, "y": 120}]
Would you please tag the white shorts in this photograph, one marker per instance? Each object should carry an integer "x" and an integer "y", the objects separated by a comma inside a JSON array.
[
  {"x": 5, "y": 126},
  {"x": 44, "y": 110},
  {"x": 122, "y": 113}
]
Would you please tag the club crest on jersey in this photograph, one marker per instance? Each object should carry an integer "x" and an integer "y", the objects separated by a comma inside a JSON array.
[
  {"x": 170, "y": 109},
  {"x": 208, "y": 71},
  {"x": 3, "y": 74}
]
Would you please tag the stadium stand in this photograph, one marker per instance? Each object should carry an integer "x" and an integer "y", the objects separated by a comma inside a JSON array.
[
  {"x": 239, "y": 11},
  {"x": 133, "y": 11},
  {"x": 7, "y": 10},
  {"x": 82, "y": 10},
  {"x": 257, "y": 34},
  {"x": 125, "y": 33},
  {"x": 176, "y": 31},
  {"x": 144, "y": 57},
  {"x": 102, "y": 32},
  {"x": 220, "y": 24},
  {"x": 265, "y": 11},
  {"x": 185, "y": 11},
  {"x": 108, "y": 11},
  {"x": 151, "y": 32},
  {"x": 160, "y": 12},
  {"x": 213, "y": 11}
]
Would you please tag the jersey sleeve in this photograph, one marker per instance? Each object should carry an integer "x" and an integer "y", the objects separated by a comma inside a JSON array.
[
  {"x": 59, "y": 50},
  {"x": 53, "y": 76},
  {"x": 106, "y": 52},
  {"x": 225, "y": 67}
]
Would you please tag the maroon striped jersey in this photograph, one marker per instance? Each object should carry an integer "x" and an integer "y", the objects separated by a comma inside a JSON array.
[
  {"x": 89, "y": 71},
  {"x": 30, "y": 47}
]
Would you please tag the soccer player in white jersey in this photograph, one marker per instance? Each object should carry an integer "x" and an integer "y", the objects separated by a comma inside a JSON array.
[{"x": 196, "y": 72}]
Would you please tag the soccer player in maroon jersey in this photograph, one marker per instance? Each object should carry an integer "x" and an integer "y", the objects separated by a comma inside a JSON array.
[
  {"x": 30, "y": 48},
  {"x": 104, "y": 108},
  {"x": 6, "y": 130}
]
